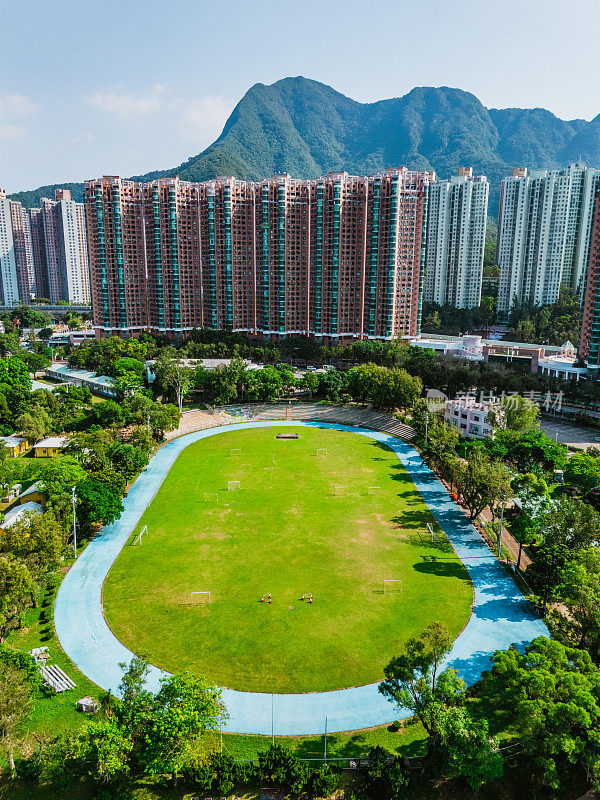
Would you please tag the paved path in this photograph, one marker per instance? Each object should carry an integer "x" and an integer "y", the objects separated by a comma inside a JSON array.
[{"x": 501, "y": 615}]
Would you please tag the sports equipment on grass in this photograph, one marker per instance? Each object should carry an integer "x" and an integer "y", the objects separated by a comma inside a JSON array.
[
  {"x": 374, "y": 489},
  {"x": 200, "y": 598},
  {"x": 211, "y": 496},
  {"x": 266, "y": 598},
  {"x": 321, "y": 451},
  {"x": 232, "y": 486},
  {"x": 432, "y": 532},
  {"x": 235, "y": 451},
  {"x": 308, "y": 597},
  {"x": 392, "y": 586},
  {"x": 138, "y": 538}
]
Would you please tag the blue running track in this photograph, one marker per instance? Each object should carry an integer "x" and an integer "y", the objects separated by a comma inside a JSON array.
[{"x": 501, "y": 615}]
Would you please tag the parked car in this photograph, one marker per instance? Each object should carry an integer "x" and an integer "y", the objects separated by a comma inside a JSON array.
[
  {"x": 328, "y": 367},
  {"x": 311, "y": 369}
]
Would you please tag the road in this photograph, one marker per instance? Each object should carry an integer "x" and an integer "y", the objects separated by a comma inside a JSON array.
[{"x": 567, "y": 433}]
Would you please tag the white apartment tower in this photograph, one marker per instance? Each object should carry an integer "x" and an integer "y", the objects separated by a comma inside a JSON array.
[
  {"x": 544, "y": 233},
  {"x": 456, "y": 224},
  {"x": 9, "y": 285},
  {"x": 63, "y": 222}
]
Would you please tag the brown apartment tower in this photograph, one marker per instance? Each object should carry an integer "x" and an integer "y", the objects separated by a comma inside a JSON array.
[
  {"x": 589, "y": 343},
  {"x": 337, "y": 258}
]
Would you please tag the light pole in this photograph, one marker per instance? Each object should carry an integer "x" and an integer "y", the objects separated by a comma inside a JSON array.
[
  {"x": 426, "y": 426},
  {"x": 74, "y": 524},
  {"x": 501, "y": 523}
]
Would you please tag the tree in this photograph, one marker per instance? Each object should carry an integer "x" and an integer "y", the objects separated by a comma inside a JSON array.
[
  {"x": 583, "y": 471},
  {"x": 108, "y": 414},
  {"x": 173, "y": 373},
  {"x": 163, "y": 418},
  {"x": 442, "y": 441},
  {"x": 17, "y": 588},
  {"x": 16, "y": 704},
  {"x": 483, "y": 482},
  {"x": 554, "y": 694},
  {"x": 520, "y": 413},
  {"x": 14, "y": 372},
  {"x": 466, "y": 748},
  {"x": 127, "y": 459},
  {"x": 579, "y": 590},
  {"x": 185, "y": 708},
  {"x": 34, "y": 426},
  {"x": 412, "y": 680},
  {"x": 98, "y": 502},
  {"x": 37, "y": 541},
  {"x": 105, "y": 749}
]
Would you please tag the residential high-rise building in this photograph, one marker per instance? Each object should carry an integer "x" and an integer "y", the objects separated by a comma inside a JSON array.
[
  {"x": 456, "y": 224},
  {"x": 38, "y": 246},
  {"x": 63, "y": 225},
  {"x": 9, "y": 285},
  {"x": 23, "y": 251},
  {"x": 589, "y": 343},
  {"x": 544, "y": 233},
  {"x": 336, "y": 258}
]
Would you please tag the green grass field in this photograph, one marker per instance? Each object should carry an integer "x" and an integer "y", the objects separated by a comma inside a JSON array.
[{"x": 287, "y": 531}]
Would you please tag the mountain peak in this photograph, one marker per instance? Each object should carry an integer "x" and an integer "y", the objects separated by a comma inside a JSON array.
[{"x": 307, "y": 128}]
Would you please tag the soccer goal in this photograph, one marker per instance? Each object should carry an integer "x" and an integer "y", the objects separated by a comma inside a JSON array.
[
  {"x": 211, "y": 496},
  {"x": 340, "y": 491},
  {"x": 392, "y": 586},
  {"x": 432, "y": 532},
  {"x": 200, "y": 598},
  {"x": 138, "y": 538},
  {"x": 235, "y": 451},
  {"x": 374, "y": 489},
  {"x": 322, "y": 451},
  {"x": 266, "y": 598},
  {"x": 307, "y": 596},
  {"x": 233, "y": 486}
]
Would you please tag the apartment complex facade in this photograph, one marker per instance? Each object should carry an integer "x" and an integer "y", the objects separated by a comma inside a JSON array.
[
  {"x": 65, "y": 257},
  {"x": 544, "y": 233},
  {"x": 589, "y": 343},
  {"x": 44, "y": 251},
  {"x": 456, "y": 226},
  {"x": 9, "y": 285},
  {"x": 337, "y": 258}
]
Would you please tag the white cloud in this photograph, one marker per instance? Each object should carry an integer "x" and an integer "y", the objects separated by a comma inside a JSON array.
[
  {"x": 202, "y": 119},
  {"x": 128, "y": 104},
  {"x": 10, "y": 131},
  {"x": 16, "y": 105},
  {"x": 82, "y": 138}
]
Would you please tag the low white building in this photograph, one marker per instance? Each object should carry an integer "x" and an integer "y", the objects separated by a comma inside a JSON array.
[
  {"x": 18, "y": 512},
  {"x": 470, "y": 418},
  {"x": 101, "y": 384}
]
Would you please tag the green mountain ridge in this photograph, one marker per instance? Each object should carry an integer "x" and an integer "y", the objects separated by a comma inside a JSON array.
[{"x": 307, "y": 128}]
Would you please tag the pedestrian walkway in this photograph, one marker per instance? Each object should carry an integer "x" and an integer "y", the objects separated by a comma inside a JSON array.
[{"x": 501, "y": 616}]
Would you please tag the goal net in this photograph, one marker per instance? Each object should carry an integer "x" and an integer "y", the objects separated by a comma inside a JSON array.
[
  {"x": 374, "y": 489},
  {"x": 235, "y": 451},
  {"x": 232, "y": 486},
  {"x": 432, "y": 533},
  {"x": 200, "y": 598},
  {"x": 138, "y": 538},
  {"x": 392, "y": 586},
  {"x": 211, "y": 496},
  {"x": 339, "y": 491},
  {"x": 321, "y": 451}
]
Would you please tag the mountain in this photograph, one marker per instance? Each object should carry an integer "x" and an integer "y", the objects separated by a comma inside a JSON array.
[{"x": 307, "y": 129}]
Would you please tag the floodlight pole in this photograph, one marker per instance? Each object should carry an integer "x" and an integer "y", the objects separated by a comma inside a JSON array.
[
  {"x": 426, "y": 426},
  {"x": 501, "y": 524},
  {"x": 272, "y": 720},
  {"x": 74, "y": 524},
  {"x": 325, "y": 745}
]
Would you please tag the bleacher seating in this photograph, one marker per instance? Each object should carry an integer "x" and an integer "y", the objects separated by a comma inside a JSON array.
[{"x": 358, "y": 416}]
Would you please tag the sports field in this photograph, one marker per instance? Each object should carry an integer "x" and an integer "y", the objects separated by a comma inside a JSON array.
[{"x": 301, "y": 522}]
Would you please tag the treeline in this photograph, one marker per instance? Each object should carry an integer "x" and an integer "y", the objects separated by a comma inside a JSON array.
[{"x": 550, "y": 324}]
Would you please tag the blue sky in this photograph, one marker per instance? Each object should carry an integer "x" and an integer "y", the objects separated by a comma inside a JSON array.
[{"x": 91, "y": 87}]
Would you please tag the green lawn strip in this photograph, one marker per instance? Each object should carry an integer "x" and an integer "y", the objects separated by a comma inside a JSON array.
[
  {"x": 301, "y": 522},
  {"x": 56, "y": 713}
]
